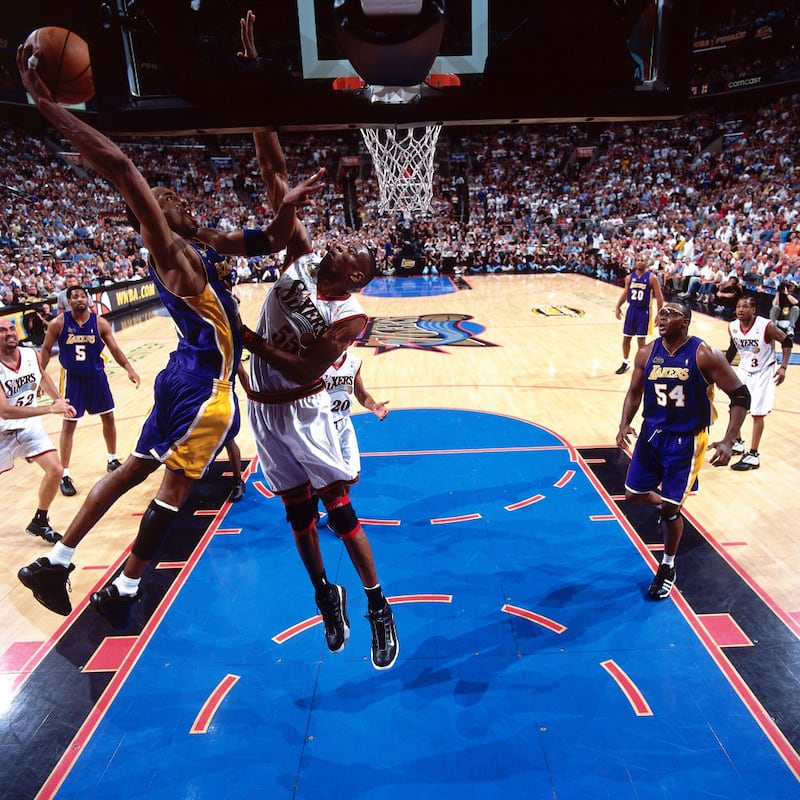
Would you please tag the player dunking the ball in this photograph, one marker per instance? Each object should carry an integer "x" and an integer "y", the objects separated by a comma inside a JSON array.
[{"x": 195, "y": 411}]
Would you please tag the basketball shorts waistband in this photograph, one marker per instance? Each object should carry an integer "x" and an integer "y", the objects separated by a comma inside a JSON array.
[{"x": 288, "y": 395}]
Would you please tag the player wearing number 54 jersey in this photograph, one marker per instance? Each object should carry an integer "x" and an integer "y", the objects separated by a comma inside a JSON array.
[{"x": 675, "y": 376}]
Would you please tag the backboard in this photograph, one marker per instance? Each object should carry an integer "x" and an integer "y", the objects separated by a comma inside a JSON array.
[{"x": 170, "y": 66}]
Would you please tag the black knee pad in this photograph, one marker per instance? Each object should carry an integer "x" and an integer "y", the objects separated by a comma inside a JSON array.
[
  {"x": 342, "y": 520},
  {"x": 301, "y": 515},
  {"x": 155, "y": 521}
]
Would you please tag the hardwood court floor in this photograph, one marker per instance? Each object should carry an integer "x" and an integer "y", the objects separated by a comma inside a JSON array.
[{"x": 539, "y": 348}]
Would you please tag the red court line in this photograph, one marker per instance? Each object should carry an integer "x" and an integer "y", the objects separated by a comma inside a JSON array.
[
  {"x": 228, "y": 531},
  {"x": 206, "y": 713},
  {"x": 304, "y": 625},
  {"x": 532, "y": 616},
  {"x": 734, "y": 544},
  {"x": 448, "y": 520},
  {"x": 628, "y": 687},
  {"x": 262, "y": 489},
  {"x": 392, "y": 522},
  {"x": 523, "y": 503},
  {"x": 464, "y": 451},
  {"x": 602, "y": 517},
  {"x": 289, "y": 633},
  {"x": 170, "y": 565},
  {"x": 399, "y": 599},
  {"x": 565, "y": 479}
]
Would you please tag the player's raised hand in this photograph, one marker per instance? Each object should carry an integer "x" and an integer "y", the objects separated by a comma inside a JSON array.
[
  {"x": 246, "y": 27},
  {"x": 300, "y": 195}
]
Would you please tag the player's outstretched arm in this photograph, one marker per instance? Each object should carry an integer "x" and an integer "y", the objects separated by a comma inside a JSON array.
[{"x": 274, "y": 237}]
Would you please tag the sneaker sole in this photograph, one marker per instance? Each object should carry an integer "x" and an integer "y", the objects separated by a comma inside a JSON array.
[
  {"x": 346, "y": 621},
  {"x": 343, "y": 598},
  {"x": 656, "y": 596},
  {"x": 744, "y": 467},
  {"x": 38, "y": 535}
]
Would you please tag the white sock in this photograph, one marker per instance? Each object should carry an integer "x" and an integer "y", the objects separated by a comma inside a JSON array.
[
  {"x": 125, "y": 585},
  {"x": 668, "y": 560},
  {"x": 61, "y": 555},
  {"x": 65, "y": 473},
  {"x": 112, "y": 457}
]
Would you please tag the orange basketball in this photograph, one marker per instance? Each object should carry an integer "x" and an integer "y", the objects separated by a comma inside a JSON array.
[{"x": 64, "y": 64}]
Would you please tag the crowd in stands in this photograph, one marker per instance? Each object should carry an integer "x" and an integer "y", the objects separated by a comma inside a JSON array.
[{"x": 706, "y": 198}]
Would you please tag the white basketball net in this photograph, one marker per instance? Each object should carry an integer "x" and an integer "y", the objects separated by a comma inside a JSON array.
[{"x": 404, "y": 164}]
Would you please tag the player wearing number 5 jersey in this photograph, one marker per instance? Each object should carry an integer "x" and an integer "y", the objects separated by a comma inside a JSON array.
[
  {"x": 675, "y": 376},
  {"x": 753, "y": 339},
  {"x": 343, "y": 382},
  {"x": 640, "y": 287},
  {"x": 82, "y": 336}
]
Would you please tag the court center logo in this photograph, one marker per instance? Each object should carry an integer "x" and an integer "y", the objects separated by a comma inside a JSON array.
[
  {"x": 424, "y": 332},
  {"x": 558, "y": 311}
]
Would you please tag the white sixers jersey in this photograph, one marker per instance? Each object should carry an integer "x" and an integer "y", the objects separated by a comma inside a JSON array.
[
  {"x": 340, "y": 380},
  {"x": 20, "y": 386},
  {"x": 755, "y": 353},
  {"x": 294, "y": 316}
]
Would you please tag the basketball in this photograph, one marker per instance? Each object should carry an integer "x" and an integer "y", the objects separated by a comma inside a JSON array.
[{"x": 63, "y": 64}]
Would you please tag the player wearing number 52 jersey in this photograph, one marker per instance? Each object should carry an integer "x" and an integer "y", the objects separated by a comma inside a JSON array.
[
  {"x": 675, "y": 376},
  {"x": 343, "y": 382},
  {"x": 82, "y": 336},
  {"x": 21, "y": 431},
  {"x": 640, "y": 287}
]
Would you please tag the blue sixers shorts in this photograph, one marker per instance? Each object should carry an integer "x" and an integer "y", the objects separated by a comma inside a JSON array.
[
  {"x": 89, "y": 394},
  {"x": 671, "y": 460}
]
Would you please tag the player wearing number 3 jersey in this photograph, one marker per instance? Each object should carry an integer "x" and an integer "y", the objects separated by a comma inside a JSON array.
[
  {"x": 753, "y": 338},
  {"x": 675, "y": 375}
]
